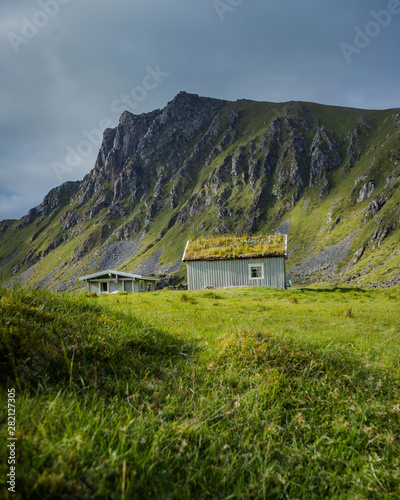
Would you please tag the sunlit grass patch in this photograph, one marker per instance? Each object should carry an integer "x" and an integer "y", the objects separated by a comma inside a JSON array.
[{"x": 166, "y": 395}]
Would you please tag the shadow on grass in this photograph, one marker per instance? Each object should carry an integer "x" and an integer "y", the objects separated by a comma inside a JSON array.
[
  {"x": 56, "y": 340},
  {"x": 334, "y": 289},
  {"x": 268, "y": 415}
]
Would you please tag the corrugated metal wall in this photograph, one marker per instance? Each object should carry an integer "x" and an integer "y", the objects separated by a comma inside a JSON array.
[{"x": 229, "y": 273}]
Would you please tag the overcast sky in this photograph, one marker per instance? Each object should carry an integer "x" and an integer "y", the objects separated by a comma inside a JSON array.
[{"x": 69, "y": 68}]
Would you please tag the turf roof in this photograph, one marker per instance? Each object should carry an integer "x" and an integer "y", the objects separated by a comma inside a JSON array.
[{"x": 225, "y": 247}]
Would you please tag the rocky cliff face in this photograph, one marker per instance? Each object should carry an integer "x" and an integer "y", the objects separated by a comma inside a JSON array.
[{"x": 204, "y": 165}]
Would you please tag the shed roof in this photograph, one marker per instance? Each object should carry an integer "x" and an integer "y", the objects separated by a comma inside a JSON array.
[
  {"x": 226, "y": 247},
  {"x": 111, "y": 272}
]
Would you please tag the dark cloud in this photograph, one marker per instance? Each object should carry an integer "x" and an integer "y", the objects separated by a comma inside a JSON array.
[{"x": 72, "y": 75}]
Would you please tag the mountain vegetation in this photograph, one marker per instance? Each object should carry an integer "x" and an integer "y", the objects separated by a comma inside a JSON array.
[{"x": 329, "y": 177}]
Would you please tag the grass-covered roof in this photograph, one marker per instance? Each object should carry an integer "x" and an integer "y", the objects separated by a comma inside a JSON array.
[{"x": 225, "y": 247}]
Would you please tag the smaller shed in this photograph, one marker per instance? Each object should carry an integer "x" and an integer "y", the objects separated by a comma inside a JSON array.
[
  {"x": 234, "y": 261},
  {"x": 110, "y": 281}
]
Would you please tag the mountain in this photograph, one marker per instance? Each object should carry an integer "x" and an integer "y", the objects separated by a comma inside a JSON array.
[{"x": 327, "y": 176}]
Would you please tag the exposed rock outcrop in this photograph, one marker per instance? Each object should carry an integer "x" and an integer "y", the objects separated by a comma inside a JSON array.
[
  {"x": 366, "y": 191},
  {"x": 324, "y": 158},
  {"x": 209, "y": 165}
]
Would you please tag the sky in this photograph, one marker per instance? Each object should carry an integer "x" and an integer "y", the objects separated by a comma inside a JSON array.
[{"x": 69, "y": 68}]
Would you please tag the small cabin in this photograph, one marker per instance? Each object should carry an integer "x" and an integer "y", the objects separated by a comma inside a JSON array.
[
  {"x": 110, "y": 281},
  {"x": 226, "y": 261}
]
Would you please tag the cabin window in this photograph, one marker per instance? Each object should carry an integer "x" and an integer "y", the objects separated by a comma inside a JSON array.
[
  {"x": 256, "y": 271},
  {"x": 104, "y": 287},
  {"x": 141, "y": 286}
]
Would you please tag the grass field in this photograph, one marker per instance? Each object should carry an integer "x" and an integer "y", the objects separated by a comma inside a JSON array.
[{"x": 225, "y": 394}]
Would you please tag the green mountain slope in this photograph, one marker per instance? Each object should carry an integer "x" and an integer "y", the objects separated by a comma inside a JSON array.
[{"x": 327, "y": 176}]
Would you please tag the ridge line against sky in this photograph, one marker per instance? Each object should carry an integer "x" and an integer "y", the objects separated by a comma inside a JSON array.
[{"x": 69, "y": 69}]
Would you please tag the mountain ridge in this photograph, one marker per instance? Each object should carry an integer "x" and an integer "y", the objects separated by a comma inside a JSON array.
[{"x": 328, "y": 175}]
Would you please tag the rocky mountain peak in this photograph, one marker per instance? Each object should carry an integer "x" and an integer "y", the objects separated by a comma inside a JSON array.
[
  {"x": 188, "y": 112},
  {"x": 208, "y": 165}
]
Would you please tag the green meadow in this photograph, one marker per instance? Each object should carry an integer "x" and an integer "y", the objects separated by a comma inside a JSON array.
[{"x": 221, "y": 394}]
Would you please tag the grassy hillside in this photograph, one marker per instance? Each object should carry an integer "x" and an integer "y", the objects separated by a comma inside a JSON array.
[
  {"x": 250, "y": 393},
  {"x": 327, "y": 173}
]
